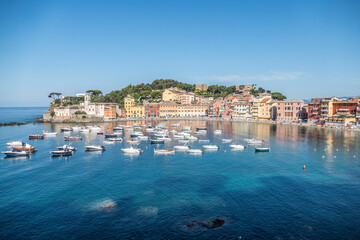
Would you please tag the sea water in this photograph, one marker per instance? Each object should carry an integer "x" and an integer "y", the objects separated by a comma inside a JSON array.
[{"x": 110, "y": 195}]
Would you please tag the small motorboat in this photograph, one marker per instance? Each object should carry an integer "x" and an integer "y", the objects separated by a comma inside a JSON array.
[
  {"x": 237, "y": 146},
  {"x": 226, "y": 140},
  {"x": 49, "y": 134},
  {"x": 253, "y": 141},
  {"x": 191, "y": 138},
  {"x": 181, "y": 148},
  {"x": 36, "y": 136},
  {"x": 186, "y": 128},
  {"x": 218, "y": 132},
  {"x": 67, "y": 147},
  {"x": 204, "y": 141},
  {"x": 110, "y": 135},
  {"x": 17, "y": 153},
  {"x": 184, "y": 141},
  {"x": 143, "y": 138},
  {"x": 76, "y": 128},
  {"x": 115, "y": 139},
  {"x": 84, "y": 130},
  {"x": 61, "y": 153},
  {"x": 66, "y": 129},
  {"x": 164, "y": 151},
  {"x": 94, "y": 148},
  {"x": 118, "y": 128},
  {"x": 131, "y": 150},
  {"x": 15, "y": 144},
  {"x": 25, "y": 147},
  {"x": 157, "y": 141},
  {"x": 136, "y": 134},
  {"x": 264, "y": 149},
  {"x": 100, "y": 133},
  {"x": 108, "y": 142},
  {"x": 72, "y": 138},
  {"x": 163, "y": 137},
  {"x": 211, "y": 147},
  {"x": 175, "y": 125},
  {"x": 195, "y": 151},
  {"x": 149, "y": 129},
  {"x": 177, "y": 136},
  {"x": 200, "y": 132},
  {"x": 133, "y": 141}
]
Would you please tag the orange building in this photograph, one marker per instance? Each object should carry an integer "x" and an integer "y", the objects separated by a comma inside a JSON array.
[{"x": 110, "y": 112}]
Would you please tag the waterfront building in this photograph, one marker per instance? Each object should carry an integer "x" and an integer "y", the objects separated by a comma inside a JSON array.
[
  {"x": 200, "y": 87},
  {"x": 152, "y": 110},
  {"x": 231, "y": 100},
  {"x": 324, "y": 107},
  {"x": 291, "y": 110},
  {"x": 192, "y": 110},
  {"x": 342, "y": 111},
  {"x": 187, "y": 98},
  {"x": 264, "y": 107},
  {"x": 314, "y": 111},
  {"x": 213, "y": 109},
  {"x": 136, "y": 111},
  {"x": 168, "y": 109},
  {"x": 129, "y": 101},
  {"x": 110, "y": 112},
  {"x": 172, "y": 94},
  {"x": 242, "y": 110}
]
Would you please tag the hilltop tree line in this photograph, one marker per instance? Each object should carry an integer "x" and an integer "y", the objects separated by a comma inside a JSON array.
[{"x": 153, "y": 92}]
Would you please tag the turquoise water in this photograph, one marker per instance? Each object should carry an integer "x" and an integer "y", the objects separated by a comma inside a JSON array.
[
  {"x": 20, "y": 114},
  {"x": 260, "y": 195}
]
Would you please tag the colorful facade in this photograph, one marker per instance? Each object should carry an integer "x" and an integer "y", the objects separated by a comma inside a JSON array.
[
  {"x": 152, "y": 110},
  {"x": 169, "y": 109},
  {"x": 290, "y": 110},
  {"x": 110, "y": 111}
]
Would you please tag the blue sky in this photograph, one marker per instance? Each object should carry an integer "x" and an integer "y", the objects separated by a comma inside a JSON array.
[{"x": 301, "y": 48}]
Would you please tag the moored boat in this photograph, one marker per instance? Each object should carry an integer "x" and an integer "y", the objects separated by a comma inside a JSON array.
[
  {"x": 253, "y": 141},
  {"x": 191, "y": 138},
  {"x": 195, "y": 151},
  {"x": 67, "y": 147},
  {"x": 211, "y": 147},
  {"x": 15, "y": 144},
  {"x": 218, "y": 132},
  {"x": 110, "y": 135},
  {"x": 157, "y": 141},
  {"x": 100, "y": 133},
  {"x": 72, "y": 138},
  {"x": 143, "y": 138},
  {"x": 226, "y": 140},
  {"x": 237, "y": 146},
  {"x": 49, "y": 134},
  {"x": 181, "y": 148},
  {"x": 131, "y": 150},
  {"x": 66, "y": 129},
  {"x": 17, "y": 153},
  {"x": 25, "y": 147},
  {"x": 175, "y": 125},
  {"x": 94, "y": 148},
  {"x": 132, "y": 141},
  {"x": 59, "y": 153},
  {"x": 264, "y": 149},
  {"x": 108, "y": 142},
  {"x": 115, "y": 139},
  {"x": 36, "y": 136},
  {"x": 164, "y": 151}
]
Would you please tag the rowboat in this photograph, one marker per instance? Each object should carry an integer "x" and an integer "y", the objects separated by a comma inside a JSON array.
[
  {"x": 36, "y": 136},
  {"x": 67, "y": 147},
  {"x": 237, "y": 146},
  {"x": 115, "y": 139},
  {"x": 131, "y": 150},
  {"x": 59, "y": 153},
  {"x": 157, "y": 141},
  {"x": 262, "y": 149},
  {"x": 181, "y": 148},
  {"x": 211, "y": 147},
  {"x": 164, "y": 151},
  {"x": 94, "y": 148},
  {"x": 195, "y": 151},
  {"x": 100, "y": 133},
  {"x": 72, "y": 138},
  {"x": 16, "y": 153},
  {"x": 201, "y": 129}
]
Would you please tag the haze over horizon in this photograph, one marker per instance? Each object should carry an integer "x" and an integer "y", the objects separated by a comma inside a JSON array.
[{"x": 303, "y": 49}]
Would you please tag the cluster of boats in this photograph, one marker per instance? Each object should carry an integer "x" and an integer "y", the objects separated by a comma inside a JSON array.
[{"x": 156, "y": 135}]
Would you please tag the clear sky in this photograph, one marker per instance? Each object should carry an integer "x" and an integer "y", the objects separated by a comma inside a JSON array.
[{"x": 301, "y": 48}]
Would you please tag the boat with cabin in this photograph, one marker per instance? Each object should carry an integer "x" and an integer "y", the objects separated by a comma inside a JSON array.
[
  {"x": 91, "y": 148},
  {"x": 17, "y": 153},
  {"x": 131, "y": 150}
]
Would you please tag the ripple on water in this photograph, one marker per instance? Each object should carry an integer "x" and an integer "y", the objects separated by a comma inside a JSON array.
[{"x": 148, "y": 211}]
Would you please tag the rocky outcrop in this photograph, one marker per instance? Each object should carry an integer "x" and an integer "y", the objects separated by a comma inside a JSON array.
[{"x": 12, "y": 124}]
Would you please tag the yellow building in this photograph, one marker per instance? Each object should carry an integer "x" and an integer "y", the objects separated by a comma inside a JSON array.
[
  {"x": 129, "y": 101},
  {"x": 193, "y": 110},
  {"x": 264, "y": 108},
  {"x": 168, "y": 109},
  {"x": 135, "y": 112},
  {"x": 172, "y": 94}
]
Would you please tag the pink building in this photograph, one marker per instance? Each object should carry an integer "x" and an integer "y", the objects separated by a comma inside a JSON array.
[{"x": 290, "y": 110}]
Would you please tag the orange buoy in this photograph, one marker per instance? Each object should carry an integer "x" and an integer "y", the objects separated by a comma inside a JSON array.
[
  {"x": 314, "y": 149},
  {"x": 304, "y": 167},
  {"x": 323, "y": 156}
]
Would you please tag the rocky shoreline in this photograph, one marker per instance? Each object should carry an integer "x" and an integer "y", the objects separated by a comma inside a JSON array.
[{"x": 37, "y": 120}]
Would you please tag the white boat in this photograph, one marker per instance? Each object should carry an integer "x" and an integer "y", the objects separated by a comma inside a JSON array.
[
  {"x": 131, "y": 150},
  {"x": 175, "y": 125},
  {"x": 15, "y": 144},
  {"x": 115, "y": 139},
  {"x": 191, "y": 138},
  {"x": 95, "y": 129},
  {"x": 149, "y": 129},
  {"x": 94, "y": 148},
  {"x": 177, "y": 136},
  {"x": 128, "y": 129},
  {"x": 184, "y": 141},
  {"x": 49, "y": 134},
  {"x": 136, "y": 125},
  {"x": 131, "y": 141},
  {"x": 253, "y": 141},
  {"x": 225, "y": 140},
  {"x": 58, "y": 153},
  {"x": 204, "y": 141},
  {"x": 85, "y": 130},
  {"x": 76, "y": 128},
  {"x": 237, "y": 146},
  {"x": 164, "y": 151},
  {"x": 200, "y": 132},
  {"x": 211, "y": 147},
  {"x": 24, "y": 147},
  {"x": 218, "y": 132},
  {"x": 67, "y": 147},
  {"x": 163, "y": 137},
  {"x": 186, "y": 128},
  {"x": 195, "y": 151},
  {"x": 108, "y": 142},
  {"x": 143, "y": 138},
  {"x": 181, "y": 148},
  {"x": 173, "y": 132},
  {"x": 16, "y": 153}
]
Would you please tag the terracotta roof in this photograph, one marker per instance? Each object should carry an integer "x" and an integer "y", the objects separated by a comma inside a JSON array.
[{"x": 265, "y": 100}]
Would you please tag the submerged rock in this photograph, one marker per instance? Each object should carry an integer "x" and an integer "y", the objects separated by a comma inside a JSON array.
[
  {"x": 209, "y": 224},
  {"x": 105, "y": 204}
]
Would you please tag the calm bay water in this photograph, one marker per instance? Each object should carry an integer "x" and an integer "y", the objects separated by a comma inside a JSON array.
[
  {"x": 20, "y": 114},
  {"x": 261, "y": 195}
]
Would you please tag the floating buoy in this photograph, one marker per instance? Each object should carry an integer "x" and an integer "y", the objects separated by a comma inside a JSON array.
[
  {"x": 304, "y": 167},
  {"x": 354, "y": 156},
  {"x": 323, "y": 156},
  {"x": 314, "y": 149},
  {"x": 337, "y": 149},
  {"x": 334, "y": 156}
]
